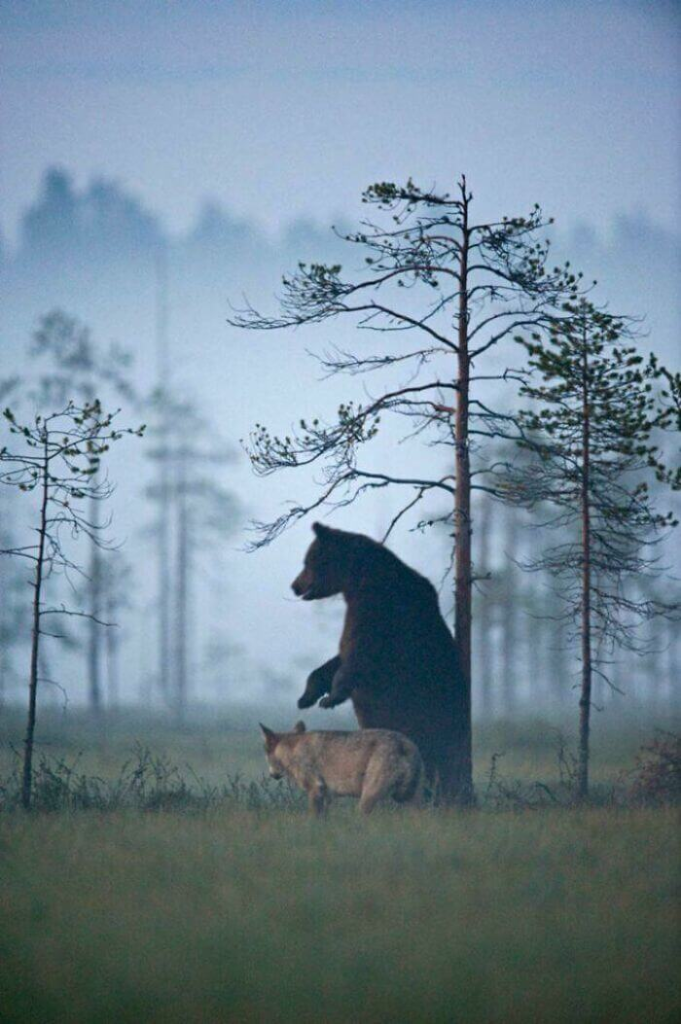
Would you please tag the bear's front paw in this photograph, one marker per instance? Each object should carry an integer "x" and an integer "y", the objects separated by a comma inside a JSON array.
[{"x": 306, "y": 701}]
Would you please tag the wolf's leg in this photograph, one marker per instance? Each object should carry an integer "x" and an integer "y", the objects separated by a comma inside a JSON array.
[
  {"x": 319, "y": 682},
  {"x": 378, "y": 784},
  {"x": 411, "y": 788},
  {"x": 317, "y": 796}
]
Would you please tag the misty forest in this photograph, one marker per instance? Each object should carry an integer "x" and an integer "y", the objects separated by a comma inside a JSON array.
[{"x": 197, "y": 422}]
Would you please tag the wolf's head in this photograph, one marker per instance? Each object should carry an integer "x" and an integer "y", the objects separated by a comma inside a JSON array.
[{"x": 275, "y": 751}]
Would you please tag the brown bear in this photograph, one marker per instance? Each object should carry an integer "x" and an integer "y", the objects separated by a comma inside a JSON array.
[{"x": 397, "y": 660}]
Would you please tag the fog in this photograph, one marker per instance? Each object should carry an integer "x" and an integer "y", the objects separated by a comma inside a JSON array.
[{"x": 161, "y": 163}]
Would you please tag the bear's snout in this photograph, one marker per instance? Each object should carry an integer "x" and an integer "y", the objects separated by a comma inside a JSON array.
[{"x": 299, "y": 586}]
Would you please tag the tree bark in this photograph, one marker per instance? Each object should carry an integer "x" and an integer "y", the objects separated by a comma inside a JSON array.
[
  {"x": 560, "y": 681},
  {"x": 165, "y": 460},
  {"x": 482, "y": 625},
  {"x": 534, "y": 662},
  {"x": 164, "y": 578},
  {"x": 181, "y": 591},
  {"x": 587, "y": 669},
  {"x": 27, "y": 775},
  {"x": 94, "y": 628},
  {"x": 509, "y": 619},
  {"x": 112, "y": 655},
  {"x": 463, "y": 593}
]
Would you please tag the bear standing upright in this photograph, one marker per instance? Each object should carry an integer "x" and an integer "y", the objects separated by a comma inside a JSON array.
[{"x": 397, "y": 660}]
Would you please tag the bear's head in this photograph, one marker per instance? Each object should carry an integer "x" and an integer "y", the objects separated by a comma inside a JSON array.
[{"x": 327, "y": 564}]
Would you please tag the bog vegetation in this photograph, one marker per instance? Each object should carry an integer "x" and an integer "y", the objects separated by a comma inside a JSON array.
[{"x": 151, "y": 888}]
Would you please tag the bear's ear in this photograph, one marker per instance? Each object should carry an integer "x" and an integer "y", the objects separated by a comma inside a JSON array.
[
  {"x": 299, "y": 727},
  {"x": 321, "y": 531}
]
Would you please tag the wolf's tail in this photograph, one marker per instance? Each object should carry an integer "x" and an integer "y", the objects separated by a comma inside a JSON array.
[{"x": 413, "y": 787}]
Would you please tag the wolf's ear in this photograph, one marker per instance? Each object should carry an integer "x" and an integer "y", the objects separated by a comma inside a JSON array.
[
  {"x": 270, "y": 737},
  {"x": 299, "y": 727},
  {"x": 321, "y": 531}
]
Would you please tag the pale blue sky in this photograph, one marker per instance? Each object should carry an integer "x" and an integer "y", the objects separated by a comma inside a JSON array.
[{"x": 282, "y": 109}]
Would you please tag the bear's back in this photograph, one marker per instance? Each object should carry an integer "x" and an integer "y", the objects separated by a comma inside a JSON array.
[{"x": 394, "y": 617}]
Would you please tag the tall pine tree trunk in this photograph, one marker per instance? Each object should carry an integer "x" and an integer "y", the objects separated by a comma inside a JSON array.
[
  {"x": 164, "y": 480},
  {"x": 27, "y": 774},
  {"x": 164, "y": 576},
  {"x": 181, "y": 590},
  {"x": 94, "y": 660},
  {"x": 462, "y": 783},
  {"x": 587, "y": 668},
  {"x": 112, "y": 655},
  {"x": 535, "y": 664},
  {"x": 482, "y": 627},
  {"x": 561, "y": 680},
  {"x": 509, "y": 618},
  {"x": 654, "y": 674}
]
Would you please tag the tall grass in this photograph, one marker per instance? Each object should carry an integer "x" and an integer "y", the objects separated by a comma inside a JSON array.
[
  {"x": 141, "y": 890},
  {"x": 239, "y": 915}
]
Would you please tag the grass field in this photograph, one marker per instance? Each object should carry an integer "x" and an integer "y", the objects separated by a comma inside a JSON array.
[{"x": 218, "y": 908}]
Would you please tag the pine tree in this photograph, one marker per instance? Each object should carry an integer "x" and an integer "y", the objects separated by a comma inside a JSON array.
[
  {"x": 598, "y": 406},
  {"x": 55, "y": 458}
]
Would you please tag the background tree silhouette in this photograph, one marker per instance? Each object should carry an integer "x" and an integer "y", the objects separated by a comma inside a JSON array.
[
  {"x": 75, "y": 367},
  {"x": 198, "y": 511}
]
